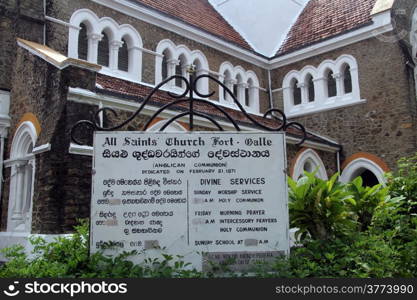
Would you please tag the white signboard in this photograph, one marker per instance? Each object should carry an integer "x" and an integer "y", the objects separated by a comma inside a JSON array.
[{"x": 207, "y": 196}]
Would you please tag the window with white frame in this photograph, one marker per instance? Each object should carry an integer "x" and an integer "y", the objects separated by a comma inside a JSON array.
[
  {"x": 242, "y": 84},
  {"x": 335, "y": 83},
  {"x": 22, "y": 164},
  {"x": 118, "y": 48},
  {"x": 178, "y": 60},
  {"x": 309, "y": 161}
]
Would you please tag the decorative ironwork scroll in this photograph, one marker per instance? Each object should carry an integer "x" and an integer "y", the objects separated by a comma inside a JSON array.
[{"x": 188, "y": 98}]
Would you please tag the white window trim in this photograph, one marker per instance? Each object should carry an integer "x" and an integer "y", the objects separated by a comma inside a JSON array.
[
  {"x": 115, "y": 33},
  {"x": 235, "y": 71},
  {"x": 26, "y": 133},
  {"x": 350, "y": 172},
  {"x": 314, "y": 158},
  {"x": 190, "y": 57},
  {"x": 321, "y": 101}
]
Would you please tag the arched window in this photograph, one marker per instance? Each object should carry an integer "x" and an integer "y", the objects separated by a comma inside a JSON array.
[
  {"x": 308, "y": 160},
  {"x": 296, "y": 92},
  {"x": 22, "y": 176},
  {"x": 331, "y": 84},
  {"x": 249, "y": 93},
  {"x": 103, "y": 51},
  {"x": 347, "y": 80},
  {"x": 123, "y": 63},
  {"x": 367, "y": 166},
  {"x": 310, "y": 88},
  {"x": 83, "y": 42}
]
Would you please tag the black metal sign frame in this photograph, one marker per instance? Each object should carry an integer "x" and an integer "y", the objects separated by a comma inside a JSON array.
[{"x": 187, "y": 97}]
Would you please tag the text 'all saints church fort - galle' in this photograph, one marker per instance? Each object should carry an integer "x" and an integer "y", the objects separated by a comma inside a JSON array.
[{"x": 344, "y": 69}]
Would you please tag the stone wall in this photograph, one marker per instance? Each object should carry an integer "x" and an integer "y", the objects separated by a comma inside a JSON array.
[
  {"x": 385, "y": 125},
  {"x": 18, "y": 18}
]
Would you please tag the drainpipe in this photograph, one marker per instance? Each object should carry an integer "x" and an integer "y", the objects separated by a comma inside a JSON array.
[
  {"x": 271, "y": 102},
  {"x": 44, "y": 24}
]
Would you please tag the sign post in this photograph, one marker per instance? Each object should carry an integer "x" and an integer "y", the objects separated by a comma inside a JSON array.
[{"x": 205, "y": 196}]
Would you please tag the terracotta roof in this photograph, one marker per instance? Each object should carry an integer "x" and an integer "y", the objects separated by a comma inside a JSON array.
[
  {"x": 200, "y": 14},
  {"x": 322, "y": 19},
  {"x": 137, "y": 92}
]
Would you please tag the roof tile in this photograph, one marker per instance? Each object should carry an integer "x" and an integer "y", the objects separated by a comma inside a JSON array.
[
  {"x": 198, "y": 13},
  {"x": 322, "y": 19}
]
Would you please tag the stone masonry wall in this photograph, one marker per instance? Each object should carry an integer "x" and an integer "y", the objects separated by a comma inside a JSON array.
[{"x": 18, "y": 18}]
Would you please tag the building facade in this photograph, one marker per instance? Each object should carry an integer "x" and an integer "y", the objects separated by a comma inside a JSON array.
[{"x": 345, "y": 70}]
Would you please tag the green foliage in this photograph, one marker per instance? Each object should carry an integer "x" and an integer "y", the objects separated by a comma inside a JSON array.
[
  {"x": 67, "y": 257},
  {"x": 347, "y": 230},
  {"x": 319, "y": 208}
]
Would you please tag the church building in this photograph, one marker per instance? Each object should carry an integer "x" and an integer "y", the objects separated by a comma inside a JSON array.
[{"x": 343, "y": 69}]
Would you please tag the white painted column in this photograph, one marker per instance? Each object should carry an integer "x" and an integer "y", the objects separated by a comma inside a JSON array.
[
  {"x": 135, "y": 63},
  {"x": 241, "y": 87},
  {"x": 254, "y": 98},
  {"x": 172, "y": 63},
  {"x": 93, "y": 40},
  {"x": 19, "y": 171},
  {"x": 320, "y": 87},
  {"x": 229, "y": 84},
  {"x": 304, "y": 93},
  {"x": 114, "y": 54},
  {"x": 339, "y": 84},
  {"x": 356, "y": 92}
]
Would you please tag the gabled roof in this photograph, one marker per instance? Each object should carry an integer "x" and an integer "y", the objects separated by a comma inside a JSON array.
[
  {"x": 200, "y": 14},
  {"x": 323, "y": 19}
]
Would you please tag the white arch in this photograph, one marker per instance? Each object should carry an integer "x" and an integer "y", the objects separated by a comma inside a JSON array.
[
  {"x": 115, "y": 33},
  {"x": 185, "y": 52},
  {"x": 358, "y": 166},
  {"x": 22, "y": 178},
  {"x": 239, "y": 71},
  {"x": 325, "y": 66},
  {"x": 25, "y": 136},
  {"x": 345, "y": 59},
  {"x": 133, "y": 35},
  {"x": 173, "y": 127},
  {"x": 321, "y": 99},
  {"x": 202, "y": 84},
  {"x": 227, "y": 67},
  {"x": 235, "y": 71},
  {"x": 287, "y": 86},
  {"x": 109, "y": 26},
  {"x": 308, "y": 70},
  {"x": 164, "y": 45},
  {"x": 309, "y": 156},
  {"x": 286, "y": 83}
]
